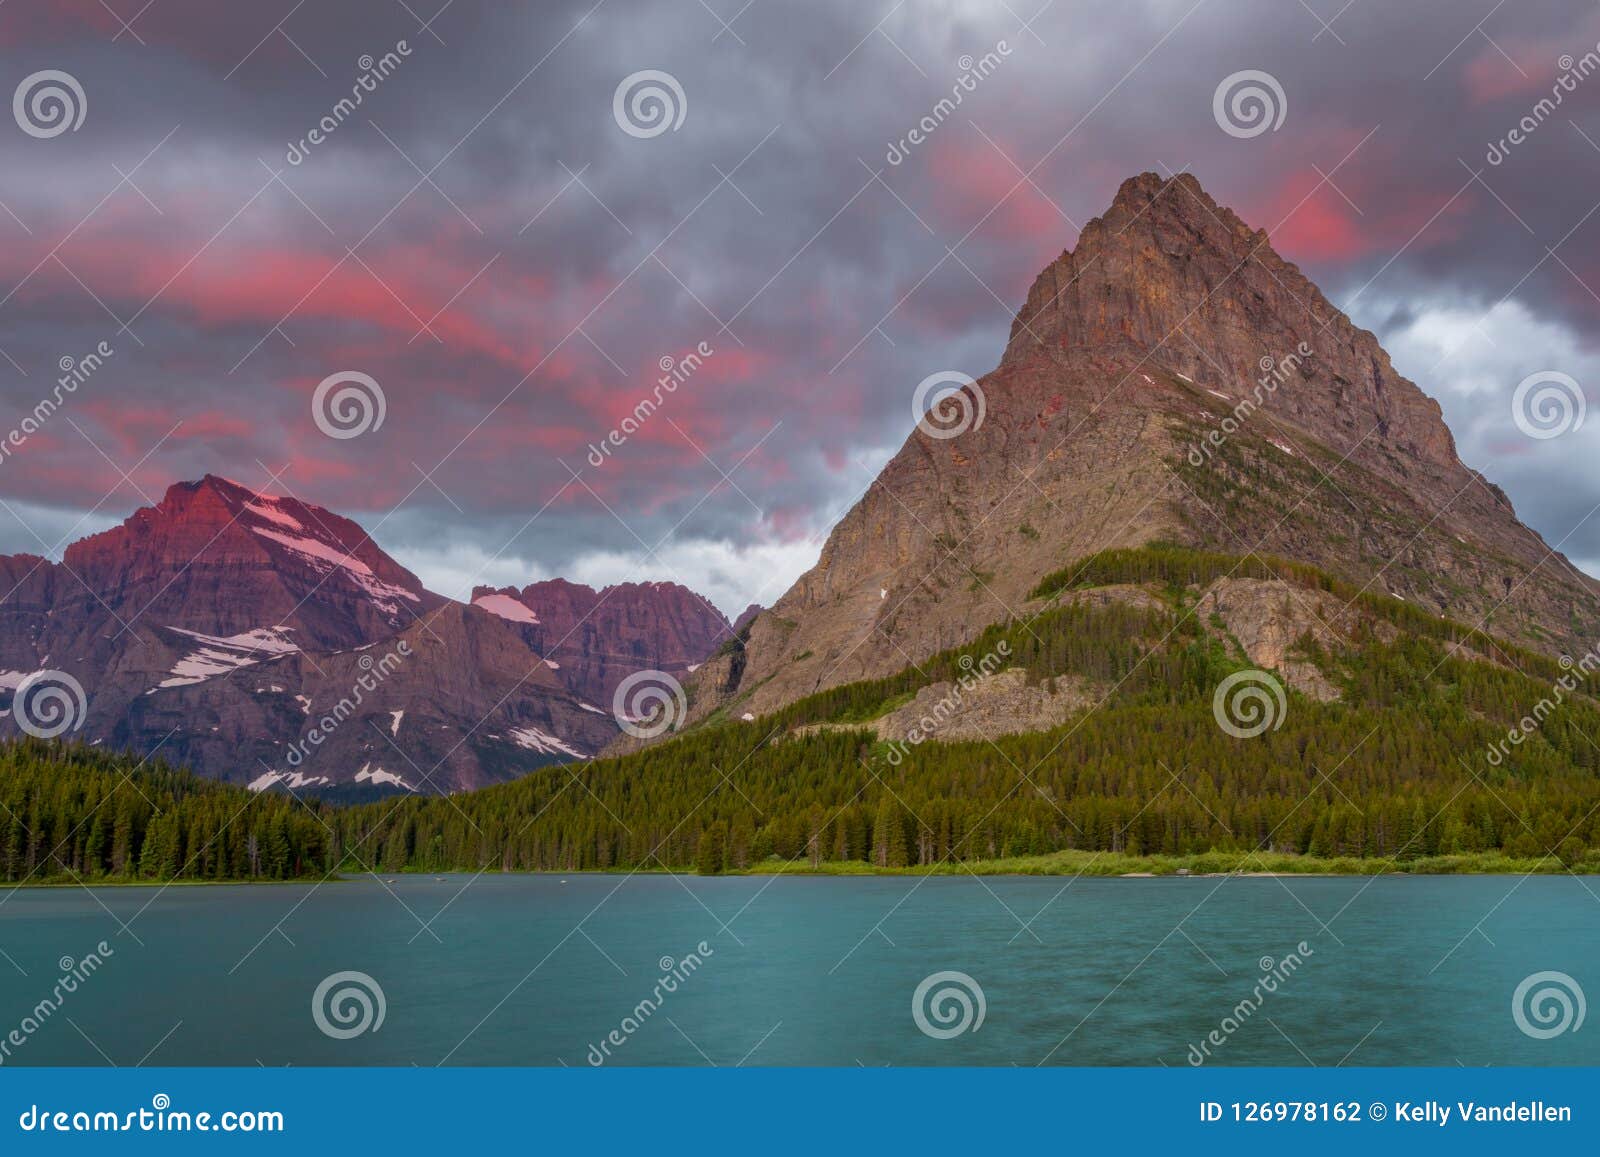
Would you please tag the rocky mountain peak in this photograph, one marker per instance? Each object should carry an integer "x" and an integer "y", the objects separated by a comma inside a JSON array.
[
  {"x": 1188, "y": 286},
  {"x": 219, "y": 557},
  {"x": 1171, "y": 321},
  {"x": 218, "y": 625}
]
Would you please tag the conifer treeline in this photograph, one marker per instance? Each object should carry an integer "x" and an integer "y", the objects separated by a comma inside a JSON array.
[
  {"x": 72, "y": 812},
  {"x": 1396, "y": 768}
]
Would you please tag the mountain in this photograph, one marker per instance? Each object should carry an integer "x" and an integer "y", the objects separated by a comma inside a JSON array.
[
  {"x": 213, "y": 548},
  {"x": 224, "y": 628},
  {"x": 213, "y": 557},
  {"x": 1151, "y": 607},
  {"x": 595, "y": 639},
  {"x": 1171, "y": 380}
]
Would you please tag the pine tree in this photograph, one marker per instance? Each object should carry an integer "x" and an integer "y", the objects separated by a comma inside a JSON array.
[{"x": 708, "y": 855}]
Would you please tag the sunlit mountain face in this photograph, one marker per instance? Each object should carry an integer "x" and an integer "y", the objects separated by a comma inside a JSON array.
[{"x": 599, "y": 325}]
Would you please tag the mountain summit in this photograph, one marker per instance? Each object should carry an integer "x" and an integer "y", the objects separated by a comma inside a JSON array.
[
  {"x": 219, "y": 557},
  {"x": 1173, "y": 379},
  {"x": 224, "y": 628}
]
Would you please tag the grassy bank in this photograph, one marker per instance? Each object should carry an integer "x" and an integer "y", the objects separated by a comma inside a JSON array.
[
  {"x": 1106, "y": 865},
  {"x": 1076, "y": 863}
]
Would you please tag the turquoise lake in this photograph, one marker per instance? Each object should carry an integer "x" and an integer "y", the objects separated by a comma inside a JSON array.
[{"x": 540, "y": 970}]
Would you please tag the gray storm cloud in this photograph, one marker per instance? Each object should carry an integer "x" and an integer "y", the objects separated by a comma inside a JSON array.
[{"x": 482, "y": 236}]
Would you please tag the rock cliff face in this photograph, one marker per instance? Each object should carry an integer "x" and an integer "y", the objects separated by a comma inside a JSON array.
[
  {"x": 224, "y": 629},
  {"x": 595, "y": 639},
  {"x": 1171, "y": 378}
]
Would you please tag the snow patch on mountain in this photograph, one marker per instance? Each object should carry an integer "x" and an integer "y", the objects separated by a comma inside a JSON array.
[
  {"x": 507, "y": 608},
  {"x": 293, "y": 780},
  {"x": 377, "y": 776},
  {"x": 222, "y": 655},
  {"x": 535, "y": 740},
  {"x": 329, "y": 558},
  {"x": 272, "y": 514}
]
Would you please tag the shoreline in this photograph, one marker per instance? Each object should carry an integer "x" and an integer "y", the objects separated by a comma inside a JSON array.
[
  {"x": 1111, "y": 866},
  {"x": 1098, "y": 865},
  {"x": 19, "y": 886}
]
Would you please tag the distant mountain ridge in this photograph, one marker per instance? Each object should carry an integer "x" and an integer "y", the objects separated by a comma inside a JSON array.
[
  {"x": 224, "y": 628},
  {"x": 595, "y": 639}
]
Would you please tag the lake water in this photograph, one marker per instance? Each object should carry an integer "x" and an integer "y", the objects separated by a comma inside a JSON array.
[{"x": 537, "y": 970}]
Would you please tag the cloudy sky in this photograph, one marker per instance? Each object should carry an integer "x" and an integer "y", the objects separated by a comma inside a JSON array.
[{"x": 510, "y": 255}]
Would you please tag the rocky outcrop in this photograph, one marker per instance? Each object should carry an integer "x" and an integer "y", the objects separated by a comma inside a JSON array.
[
  {"x": 1129, "y": 353},
  {"x": 595, "y": 639},
  {"x": 1270, "y": 620},
  {"x": 1005, "y": 703}
]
